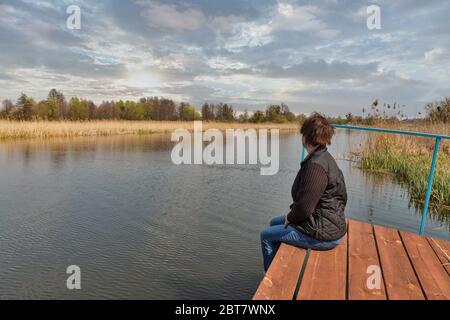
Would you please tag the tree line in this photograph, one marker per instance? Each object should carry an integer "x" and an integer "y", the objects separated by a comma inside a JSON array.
[{"x": 56, "y": 107}]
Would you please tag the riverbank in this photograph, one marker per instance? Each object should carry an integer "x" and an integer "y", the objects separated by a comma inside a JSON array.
[
  {"x": 68, "y": 129},
  {"x": 409, "y": 159}
]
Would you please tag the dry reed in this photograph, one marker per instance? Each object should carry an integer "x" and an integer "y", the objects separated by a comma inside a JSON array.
[{"x": 49, "y": 129}]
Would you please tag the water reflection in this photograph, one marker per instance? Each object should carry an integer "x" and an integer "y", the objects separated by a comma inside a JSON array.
[{"x": 59, "y": 151}]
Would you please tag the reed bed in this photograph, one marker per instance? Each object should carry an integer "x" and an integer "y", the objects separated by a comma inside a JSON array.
[
  {"x": 50, "y": 129},
  {"x": 409, "y": 159}
]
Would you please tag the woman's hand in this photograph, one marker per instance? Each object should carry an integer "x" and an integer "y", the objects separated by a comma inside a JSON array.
[{"x": 286, "y": 221}]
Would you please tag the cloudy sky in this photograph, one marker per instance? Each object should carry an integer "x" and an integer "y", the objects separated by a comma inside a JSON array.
[{"x": 312, "y": 55}]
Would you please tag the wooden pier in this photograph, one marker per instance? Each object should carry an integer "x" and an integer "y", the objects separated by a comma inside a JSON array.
[{"x": 411, "y": 267}]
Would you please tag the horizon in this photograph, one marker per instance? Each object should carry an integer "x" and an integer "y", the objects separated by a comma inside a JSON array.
[{"x": 313, "y": 56}]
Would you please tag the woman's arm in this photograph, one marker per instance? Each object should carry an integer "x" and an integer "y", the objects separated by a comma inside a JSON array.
[{"x": 313, "y": 182}]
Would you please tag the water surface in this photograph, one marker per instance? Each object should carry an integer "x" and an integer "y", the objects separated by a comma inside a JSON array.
[{"x": 142, "y": 227}]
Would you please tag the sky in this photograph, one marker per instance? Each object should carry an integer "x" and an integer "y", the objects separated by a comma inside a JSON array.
[{"x": 312, "y": 55}]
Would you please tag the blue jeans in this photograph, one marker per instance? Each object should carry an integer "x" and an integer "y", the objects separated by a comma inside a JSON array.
[{"x": 272, "y": 237}]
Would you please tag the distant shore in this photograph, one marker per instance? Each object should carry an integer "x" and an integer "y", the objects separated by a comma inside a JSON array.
[{"x": 51, "y": 129}]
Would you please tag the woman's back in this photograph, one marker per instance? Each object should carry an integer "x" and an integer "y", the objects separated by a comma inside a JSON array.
[{"x": 327, "y": 222}]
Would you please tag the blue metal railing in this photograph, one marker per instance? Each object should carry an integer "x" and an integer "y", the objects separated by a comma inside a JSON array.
[{"x": 437, "y": 138}]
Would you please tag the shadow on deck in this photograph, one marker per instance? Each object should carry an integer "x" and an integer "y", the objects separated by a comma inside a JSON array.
[{"x": 372, "y": 263}]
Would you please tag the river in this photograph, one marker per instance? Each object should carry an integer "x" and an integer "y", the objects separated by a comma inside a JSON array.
[{"x": 141, "y": 227}]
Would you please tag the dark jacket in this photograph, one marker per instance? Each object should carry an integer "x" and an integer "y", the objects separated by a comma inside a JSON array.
[{"x": 325, "y": 221}]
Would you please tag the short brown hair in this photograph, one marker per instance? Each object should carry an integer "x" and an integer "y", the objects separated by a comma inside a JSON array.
[{"x": 317, "y": 130}]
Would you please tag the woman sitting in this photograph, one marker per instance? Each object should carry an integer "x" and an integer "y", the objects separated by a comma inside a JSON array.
[{"x": 316, "y": 219}]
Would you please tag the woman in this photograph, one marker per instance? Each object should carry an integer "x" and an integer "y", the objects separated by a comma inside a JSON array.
[{"x": 316, "y": 218}]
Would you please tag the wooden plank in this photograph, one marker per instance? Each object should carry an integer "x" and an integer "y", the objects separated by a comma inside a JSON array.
[
  {"x": 433, "y": 278},
  {"x": 442, "y": 250},
  {"x": 281, "y": 278},
  {"x": 400, "y": 279},
  {"x": 363, "y": 263},
  {"x": 325, "y": 276}
]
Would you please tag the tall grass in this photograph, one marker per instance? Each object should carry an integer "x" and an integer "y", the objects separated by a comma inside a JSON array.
[
  {"x": 49, "y": 129},
  {"x": 409, "y": 159}
]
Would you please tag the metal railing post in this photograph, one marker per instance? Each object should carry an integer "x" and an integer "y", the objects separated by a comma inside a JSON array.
[{"x": 430, "y": 184}]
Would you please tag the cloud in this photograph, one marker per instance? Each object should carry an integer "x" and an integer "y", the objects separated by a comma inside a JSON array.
[
  {"x": 300, "y": 18},
  {"x": 169, "y": 17},
  {"x": 194, "y": 93},
  {"x": 225, "y": 24},
  {"x": 354, "y": 95},
  {"x": 319, "y": 70},
  {"x": 434, "y": 54},
  {"x": 283, "y": 17},
  {"x": 250, "y": 34},
  {"x": 247, "y": 52}
]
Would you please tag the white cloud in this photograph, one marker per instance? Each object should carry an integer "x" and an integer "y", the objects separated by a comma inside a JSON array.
[
  {"x": 434, "y": 54},
  {"x": 283, "y": 17},
  {"x": 297, "y": 18},
  {"x": 285, "y": 9},
  {"x": 224, "y": 64},
  {"x": 250, "y": 34}
]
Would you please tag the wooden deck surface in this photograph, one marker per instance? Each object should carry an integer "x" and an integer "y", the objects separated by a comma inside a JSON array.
[{"x": 372, "y": 263}]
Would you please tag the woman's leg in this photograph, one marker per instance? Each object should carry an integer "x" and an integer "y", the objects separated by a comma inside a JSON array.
[
  {"x": 270, "y": 241},
  {"x": 274, "y": 235},
  {"x": 299, "y": 239},
  {"x": 277, "y": 220}
]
